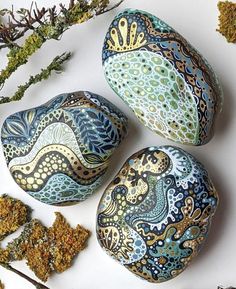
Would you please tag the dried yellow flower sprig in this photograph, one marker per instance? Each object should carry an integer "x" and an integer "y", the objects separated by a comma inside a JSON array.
[
  {"x": 44, "y": 24},
  {"x": 227, "y": 20}
]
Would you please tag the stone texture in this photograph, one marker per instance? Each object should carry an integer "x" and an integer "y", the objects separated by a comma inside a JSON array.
[
  {"x": 169, "y": 86},
  {"x": 58, "y": 152},
  {"x": 155, "y": 215}
]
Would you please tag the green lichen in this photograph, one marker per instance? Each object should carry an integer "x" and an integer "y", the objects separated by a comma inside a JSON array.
[
  {"x": 20, "y": 56},
  {"x": 55, "y": 66},
  {"x": 44, "y": 24}
]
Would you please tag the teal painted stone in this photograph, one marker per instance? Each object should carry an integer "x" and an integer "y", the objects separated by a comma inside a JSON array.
[
  {"x": 166, "y": 82},
  {"x": 58, "y": 152},
  {"x": 154, "y": 217}
]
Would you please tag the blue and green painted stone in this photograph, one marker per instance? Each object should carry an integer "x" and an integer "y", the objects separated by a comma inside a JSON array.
[
  {"x": 155, "y": 215},
  {"x": 58, "y": 152},
  {"x": 169, "y": 86}
]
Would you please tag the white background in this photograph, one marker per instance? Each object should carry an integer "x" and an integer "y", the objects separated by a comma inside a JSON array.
[{"x": 196, "y": 20}]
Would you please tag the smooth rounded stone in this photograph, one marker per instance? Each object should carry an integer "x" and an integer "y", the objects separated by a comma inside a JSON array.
[
  {"x": 155, "y": 215},
  {"x": 169, "y": 86},
  {"x": 59, "y": 152}
]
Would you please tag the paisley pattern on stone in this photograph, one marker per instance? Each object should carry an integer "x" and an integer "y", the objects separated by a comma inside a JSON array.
[
  {"x": 170, "y": 87},
  {"x": 155, "y": 215},
  {"x": 59, "y": 152}
]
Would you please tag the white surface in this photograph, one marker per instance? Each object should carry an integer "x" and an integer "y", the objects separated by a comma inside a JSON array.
[{"x": 196, "y": 20}]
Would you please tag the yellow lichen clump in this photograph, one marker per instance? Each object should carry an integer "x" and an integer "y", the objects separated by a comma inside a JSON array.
[
  {"x": 48, "y": 249},
  {"x": 65, "y": 242},
  {"x": 227, "y": 20},
  {"x": 4, "y": 256},
  {"x": 45, "y": 249},
  {"x": 13, "y": 214}
]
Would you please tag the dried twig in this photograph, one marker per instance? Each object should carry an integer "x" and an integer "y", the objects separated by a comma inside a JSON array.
[
  {"x": 55, "y": 66},
  {"x": 44, "y": 24},
  {"x": 219, "y": 287},
  {"x": 32, "y": 281}
]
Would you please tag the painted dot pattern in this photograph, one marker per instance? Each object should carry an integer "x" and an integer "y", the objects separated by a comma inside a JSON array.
[
  {"x": 155, "y": 215},
  {"x": 59, "y": 152},
  {"x": 169, "y": 86}
]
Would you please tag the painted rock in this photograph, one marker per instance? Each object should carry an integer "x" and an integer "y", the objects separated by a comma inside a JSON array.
[
  {"x": 169, "y": 86},
  {"x": 155, "y": 215},
  {"x": 59, "y": 152}
]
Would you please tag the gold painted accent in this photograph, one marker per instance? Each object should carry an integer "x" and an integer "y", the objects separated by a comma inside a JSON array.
[{"x": 125, "y": 38}]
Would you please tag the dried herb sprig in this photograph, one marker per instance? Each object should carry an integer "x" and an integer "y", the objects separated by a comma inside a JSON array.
[
  {"x": 227, "y": 20},
  {"x": 44, "y": 24}
]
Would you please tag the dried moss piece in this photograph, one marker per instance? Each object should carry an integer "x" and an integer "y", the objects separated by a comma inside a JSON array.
[
  {"x": 4, "y": 256},
  {"x": 48, "y": 249},
  {"x": 33, "y": 246},
  {"x": 45, "y": 249},
  {"x": 13, "y": 214},
  {"x": 227, "y": 20},
  {"x": 65, "y": 242}
]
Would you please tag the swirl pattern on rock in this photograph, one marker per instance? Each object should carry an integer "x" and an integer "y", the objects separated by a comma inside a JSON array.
[
  {"x": 58, "y": 152},
  {"x": 170, "y": 87},
  {"x": 155, "y": 215}
]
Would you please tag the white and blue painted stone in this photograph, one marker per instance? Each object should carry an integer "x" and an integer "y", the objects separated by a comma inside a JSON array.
[
  {"x": 155, "y": 215},
  {"x": 169, "y": 86},
  {"x": 58, "y": 152}
]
